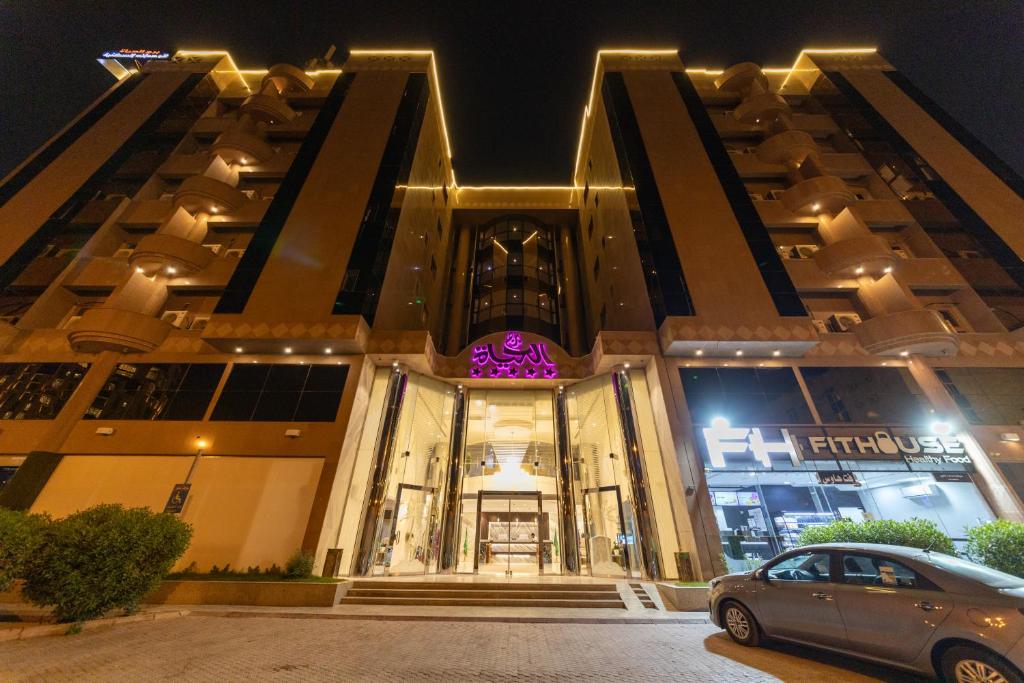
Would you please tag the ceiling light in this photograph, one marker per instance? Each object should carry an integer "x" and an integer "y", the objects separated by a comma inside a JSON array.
[
  {"x": 239, "y": 349},
  {"x": 699, "y": 352},
  {"x": 776, "y": 353},
  {"x": 739, "y": 352},
  {"x": 904, "y": 354},
  {"x": 287, "y": 349},
  {"x": 171, "y": 270},
  {"x": 328, "y": 350},
  {"x": 887, "y": 269},
  {"x": 815, "y": 206},
  {"x": 860, "y": 270}
]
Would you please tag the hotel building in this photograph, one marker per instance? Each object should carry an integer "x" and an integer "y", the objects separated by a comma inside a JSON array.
[{"x": 767, "y": 298}]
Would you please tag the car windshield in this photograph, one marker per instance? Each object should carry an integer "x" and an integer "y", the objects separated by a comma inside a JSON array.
[{"x": 975, "y": 572}]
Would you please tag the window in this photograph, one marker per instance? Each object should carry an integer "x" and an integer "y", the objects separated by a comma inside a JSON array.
[
  {"x": 37, "y": 391},
  {"x": 989, "y": 396},
  {"x": 165, "y": 391},
  {"x": 811, "y": 567},
  {"x": 590, "y": 229},
  {"x": 281, "y": 393},
  {"x": 873, "y": 570},
  {"x": 744, "y": 396},
  {"x": 866, "y": 395},
  {"x": 597, "y": 267}
]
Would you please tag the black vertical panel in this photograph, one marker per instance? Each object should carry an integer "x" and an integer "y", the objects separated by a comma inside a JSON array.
[
  {"x": 985, "y": 155},
  {"x": 969, "y": 219},
  {"x": 759, "y": 241},
  {"x": 257, "y": 253},
  {"x": 28, "y": 251},
  {"x": 659, "y": 256},
  {"x": 53, "y": 150},
  {"x": 368, "y": 262}
]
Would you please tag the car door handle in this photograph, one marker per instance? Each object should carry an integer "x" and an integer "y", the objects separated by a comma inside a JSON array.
[
  {"x": 925, "y": 605},
  {"x": 822, "y": 596}
]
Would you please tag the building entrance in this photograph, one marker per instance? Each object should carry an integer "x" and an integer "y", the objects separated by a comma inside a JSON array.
[{"x": 513, "y": 536}]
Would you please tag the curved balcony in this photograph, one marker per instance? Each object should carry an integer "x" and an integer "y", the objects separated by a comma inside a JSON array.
[
  {"x": 915, "y": 331},
  {"x": 115, "y": 329},
  {"x": 763, "y": 107},
  {"x": 787, "y": 146},
  {"x": 267, "y": 109},
  {"x": 202, "y": 193},
  {"x": 159, "y": 251},
  {"x": 287, "y": 77},
  {"x": 816, "y": 195},
  {"x": 867, "y": 255},
  {"x": 240, "y": 147},
  {"x": 739, "y": 77}
]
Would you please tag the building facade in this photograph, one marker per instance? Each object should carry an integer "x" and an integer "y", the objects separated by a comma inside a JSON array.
[{"x": 768, "y": 298}]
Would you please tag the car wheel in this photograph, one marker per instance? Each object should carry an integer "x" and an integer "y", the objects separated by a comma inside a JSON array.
[
  {"x": 740, "y": 624},
  {"x": 963, "y": 664}
]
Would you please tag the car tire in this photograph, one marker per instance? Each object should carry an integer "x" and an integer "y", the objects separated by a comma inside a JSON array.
[
  {"x": 740, "y": 624},
  {"x": 964, "y": 664}
]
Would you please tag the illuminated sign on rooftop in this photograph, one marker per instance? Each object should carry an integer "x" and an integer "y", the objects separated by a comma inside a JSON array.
[{"x": 144, "y": 55}]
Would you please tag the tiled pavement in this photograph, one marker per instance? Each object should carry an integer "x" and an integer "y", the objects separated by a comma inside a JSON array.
[{"x": 207, "y": 648}]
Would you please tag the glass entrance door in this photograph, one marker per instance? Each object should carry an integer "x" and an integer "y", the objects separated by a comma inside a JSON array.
[{"x": 510, "y": 537}]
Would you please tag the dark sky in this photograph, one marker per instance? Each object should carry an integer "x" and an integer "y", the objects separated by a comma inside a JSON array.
[{"x": 515, "y": 75}]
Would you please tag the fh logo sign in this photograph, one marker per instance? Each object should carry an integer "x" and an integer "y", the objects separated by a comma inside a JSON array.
[{"x": 724, "y": 439}]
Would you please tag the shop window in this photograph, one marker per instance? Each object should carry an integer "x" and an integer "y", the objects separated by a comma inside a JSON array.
[
  {"x": 986, "y": 395},
  {"x": 744, "y": 396},
  {"x": 282, "y": 393},
  {"x": 37, "y": 391},
  {"x": 810, "y": 567},
  {"x": 866, "y": 395},
  {"x": 165, "y": 391}
]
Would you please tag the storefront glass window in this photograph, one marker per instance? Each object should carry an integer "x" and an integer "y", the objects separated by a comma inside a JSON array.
[
  {"x": 989, "y": 396},
  {"x": 866, "y": 395},
  {"x": 744, "y": 395}
]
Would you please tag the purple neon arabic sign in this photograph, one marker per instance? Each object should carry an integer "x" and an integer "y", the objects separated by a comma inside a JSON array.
[{"x": 514, "y": 360}]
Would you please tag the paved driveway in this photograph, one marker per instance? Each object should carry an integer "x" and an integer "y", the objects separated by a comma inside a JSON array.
[{"x": 259, "y": 648}]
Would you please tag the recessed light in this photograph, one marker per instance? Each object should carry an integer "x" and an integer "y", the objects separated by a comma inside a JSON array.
[
  {"x": 138, "y": 269},
  {"x": 287, "y": 349},
  {"x": 239, "y": 349},
  {"x": 699, "y": 352},
  {"x": 739, "y": 352},
  {"x": 860, "y": 270},
  {"x": 887, "y": 269},
  {"x": 328, "y": 350},
  {"x": 776, "y": 353},
  {"x": 904, "y": 354},
  {"x": 171, "y": 270},
  {"x": 815, "y": 207}
]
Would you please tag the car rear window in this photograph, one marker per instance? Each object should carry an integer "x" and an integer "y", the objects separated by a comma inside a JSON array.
[{"x": 972, "y": 571}]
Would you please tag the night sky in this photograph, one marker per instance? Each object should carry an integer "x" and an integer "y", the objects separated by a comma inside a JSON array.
[{"x": 515, "y": 76}]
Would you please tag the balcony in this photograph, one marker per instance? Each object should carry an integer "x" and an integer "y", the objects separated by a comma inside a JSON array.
[
  {"x": 115, "y": 329},
  {"x": 866, "y": 255},
  {"x": 817, "y": 195},
  {"x": 917, "y": 331},
  {"x": 202, "y": 193},
  {"x": 267, "y": 109},
  {"x": 790, "y": 145},
  {"x": 841, "y": 165},
  {"x": 240, "y": 147},
  {"x": 158, "y": 251},
  {"x": 764, "y": 107},
  {"x": 149, "y": 214},
  {"x": 816, "y": 125},
  {"x": 288, "y": 78}
]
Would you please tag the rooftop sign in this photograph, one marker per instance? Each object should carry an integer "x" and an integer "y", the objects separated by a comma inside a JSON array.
[{"x": 144, "y": 55}]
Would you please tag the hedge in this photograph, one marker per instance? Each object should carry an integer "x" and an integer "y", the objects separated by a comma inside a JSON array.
[
  {"x": 915, "y": 533},
  {"x": 998, "y": 544}
]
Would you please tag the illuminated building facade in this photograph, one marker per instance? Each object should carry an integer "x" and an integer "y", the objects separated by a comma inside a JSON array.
[{"x": 261, "y": 300}]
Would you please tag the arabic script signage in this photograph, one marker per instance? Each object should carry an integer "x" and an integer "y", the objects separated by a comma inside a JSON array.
[
  {"x": 126, "y": 53},
  {"x": 515, "y": 360}
]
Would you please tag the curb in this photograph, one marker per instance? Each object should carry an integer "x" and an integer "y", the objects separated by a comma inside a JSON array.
[
  {"x": 231, "y": 614},
  {"x": 40, "y": 630}
]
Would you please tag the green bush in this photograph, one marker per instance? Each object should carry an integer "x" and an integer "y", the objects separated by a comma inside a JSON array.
[
  {"x": 20, "y": 535},
  {"x": 103, "y": 558},
  {"x": 300, "y": 565},
  {"x": 998, "y": 544},
  {"x": 915, "y": 533}
]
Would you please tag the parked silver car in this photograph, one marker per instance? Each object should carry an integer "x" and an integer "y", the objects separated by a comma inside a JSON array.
[{"x": 917, "y": 610}]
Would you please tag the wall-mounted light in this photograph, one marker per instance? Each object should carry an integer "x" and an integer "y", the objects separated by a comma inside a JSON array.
[{"x": 105, "y": 431}]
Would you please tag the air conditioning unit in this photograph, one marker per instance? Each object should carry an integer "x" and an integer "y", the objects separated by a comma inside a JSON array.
[
  {"x": 199, "y": 323},
  {"x": 969, "y": 253},
  {"x": 820, "y": 325},
  {"x": 843, "y": 322},
  {"x": 861, "y": 194},
  {"x": 756, "y": 196},
  {"x": 180, "y": 319},
  {"x": 234, "y": 253},
  {"x": 950, "y": 318},
  {"x": 215, "y": 248},
  {"x": 886, "y": 173},
  {"x": 798, "y": 251},
  {"x": 775, "y": 194},
  {"x": 124, "y": 253},
  {"x": 898, "y": 249}
]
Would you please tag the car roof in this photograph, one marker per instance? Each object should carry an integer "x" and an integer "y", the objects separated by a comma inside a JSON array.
[{"x": 898, "y": 550}]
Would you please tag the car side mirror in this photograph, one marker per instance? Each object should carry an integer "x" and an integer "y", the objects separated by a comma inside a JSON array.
[{"x": 759, "y": 575}]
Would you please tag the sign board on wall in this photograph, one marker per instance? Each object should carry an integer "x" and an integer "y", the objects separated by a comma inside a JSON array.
[
  {"x": 176, "y": 501},
  {"x": 840, "y": 477},
  {"x": 752, "y": 446},
  {"x": 515, "y": 360}
]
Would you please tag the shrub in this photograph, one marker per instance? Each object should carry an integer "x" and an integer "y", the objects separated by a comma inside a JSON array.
[
  {"x": 103, "y": 558},
  {"x": 998, "y": 544},
  {"x": 20, "y": 535},
  {"x": 300, "y": 565},
  {"x": 915, "y": 533}
]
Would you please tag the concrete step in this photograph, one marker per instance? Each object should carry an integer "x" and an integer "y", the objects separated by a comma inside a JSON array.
[
  {"x": 482, "y": 586},
  {"x": 481, "y": 602},
  {"x": 427, "y": 591}
]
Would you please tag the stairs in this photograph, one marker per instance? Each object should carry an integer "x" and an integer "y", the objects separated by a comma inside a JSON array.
[{"x": 467, "y": 594}]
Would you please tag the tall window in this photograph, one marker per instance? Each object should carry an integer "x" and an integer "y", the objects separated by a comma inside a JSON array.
[
  {"x": 282, "y": 393},
  {"x": 37, "y": 391},
  {"x": 866, "y": 395},
  {"x": 156, "y": 391},
  {"x": 744, "y": 396},
  {"x": 987, "y": 395}
]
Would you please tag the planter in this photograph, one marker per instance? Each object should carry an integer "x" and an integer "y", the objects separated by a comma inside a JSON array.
[
  {"x": 256, "y": 593},
  {"x": 684, "y": 598}
]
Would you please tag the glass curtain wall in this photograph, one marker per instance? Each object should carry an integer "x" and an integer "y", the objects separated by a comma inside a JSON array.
[
  {"x": 605, "y": 517},
  {"x": 509, "y": 518},
  {"x": 407, "y": 535}
]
